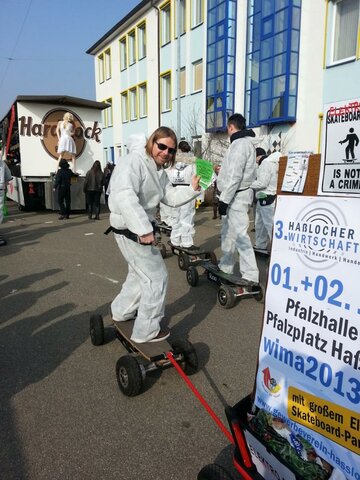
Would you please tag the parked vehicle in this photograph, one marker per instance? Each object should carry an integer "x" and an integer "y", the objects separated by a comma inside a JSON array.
[{"x": 30, "y": 142}]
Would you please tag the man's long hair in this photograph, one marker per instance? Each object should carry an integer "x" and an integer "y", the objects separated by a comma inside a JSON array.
[{"x": 161, "y": 132}]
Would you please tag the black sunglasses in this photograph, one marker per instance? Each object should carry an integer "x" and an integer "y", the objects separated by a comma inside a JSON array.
[{"x": 163, "y": 147}]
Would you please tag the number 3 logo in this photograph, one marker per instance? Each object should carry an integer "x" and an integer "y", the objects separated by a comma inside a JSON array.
[{"x": 279, "y": 232}]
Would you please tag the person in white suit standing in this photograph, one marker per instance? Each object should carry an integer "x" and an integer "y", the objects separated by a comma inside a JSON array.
[{"x": 138, "y": 183}]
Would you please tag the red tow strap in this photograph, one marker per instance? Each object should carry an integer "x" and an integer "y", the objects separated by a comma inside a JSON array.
[{"x": 200, "y": 398}]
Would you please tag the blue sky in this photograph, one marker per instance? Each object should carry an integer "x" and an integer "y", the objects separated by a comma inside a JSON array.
[{"x": 47, "y": 42}]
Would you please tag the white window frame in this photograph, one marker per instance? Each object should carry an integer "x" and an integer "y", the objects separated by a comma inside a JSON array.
[
  {"x": 142, "y": 98},
  {"x": 124, "y": 106},
  {"x": 141, "y": 40},
  {"x": 107, "y": 63},
  {"x": 182, "y": 82},
  {"x": 123, "y": 53},
  {"x": 336, "y": 8},
  {"x": 195, "y": 65},
  {"x": 183, "y": 17},
  {"x": 166, "y": 92},
  {"x": 132, "y": 47},
  {"x": 101, "y": 69},
  {"x": 165, "y": 23},
  {"x": 108, "y": 113},
  {"x": 133, "y": 115},
  {"x": 197, "y": 12}
]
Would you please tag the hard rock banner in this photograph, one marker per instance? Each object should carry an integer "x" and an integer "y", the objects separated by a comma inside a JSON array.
[{"x": 309, "y": 355}]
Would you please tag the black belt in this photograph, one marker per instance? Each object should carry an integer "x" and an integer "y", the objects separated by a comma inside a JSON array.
[
  {"x": 181, "y": 184},
  {"x": 129, "y": 234},
  {"x": 242, "y": 189},
  {"x": 126, "y": 232}
]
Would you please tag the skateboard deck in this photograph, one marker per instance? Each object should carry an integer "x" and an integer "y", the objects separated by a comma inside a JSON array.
[
  {"x": 218, "y": 276},
  {"x": 189, "y": 251},
  {"x": 149, "y": 350}
]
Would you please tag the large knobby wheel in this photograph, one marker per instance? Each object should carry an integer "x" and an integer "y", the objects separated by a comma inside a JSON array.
[
  {"x": 190, "y": 364},
  {"x": 192, "y": 276},
  {"x": 183, "y": 261},
  {"x": 129, "y": 376},
  {"x": 214, "y": 472},
  {"x": 226, "y": 296},
  {"x": 96, "y": 330}
]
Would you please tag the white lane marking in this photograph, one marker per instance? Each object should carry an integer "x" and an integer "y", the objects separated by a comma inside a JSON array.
[{"x": 105, "y": 278}]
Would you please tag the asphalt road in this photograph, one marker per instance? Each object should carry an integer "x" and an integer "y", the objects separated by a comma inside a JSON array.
[{"x": 62, "y": 414}]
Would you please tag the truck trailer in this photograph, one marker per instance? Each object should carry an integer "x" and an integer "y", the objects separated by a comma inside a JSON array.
[{"x": 30, "y": 143}]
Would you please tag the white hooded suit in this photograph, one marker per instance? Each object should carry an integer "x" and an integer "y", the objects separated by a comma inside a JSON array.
[
  {"x": 265, "y": 184},
  {"x": 237, "y": 173},
  {"x": 137, "y": 186}
]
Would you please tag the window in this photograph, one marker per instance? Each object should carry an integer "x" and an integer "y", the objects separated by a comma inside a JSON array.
[
  {"x": 141, "y": 40},
  {"x": 165, "y": 23},
  {"x": 346, "y": 29},
  {"x": 143, "y": 100},
  {"x": 101, "y": 68},
  {"x": 124, "y": 107},
  {"x": 132, "y": 104},
  {"x": 123, "y": 54},
  {"x": 108, "y": 64},
  {"x": 220, "y": 66},
  {"x": 182, "y": 81},
  {"x": 166, "y": 92},
  {"x": 132, "y": 47},
  {"x": 108, "y": 114},
  {"x": 182, "y": 14},
  {"x": 197, "y": 12},
  {"x": 272, "y": 59},
  {"x": 198, "y": 75}
]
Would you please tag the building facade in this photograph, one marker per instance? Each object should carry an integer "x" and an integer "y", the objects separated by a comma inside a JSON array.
[{"x": 189, "y": 64}]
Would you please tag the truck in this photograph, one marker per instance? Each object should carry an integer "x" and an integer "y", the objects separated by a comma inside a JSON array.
[{"x": 29, "y": 146}]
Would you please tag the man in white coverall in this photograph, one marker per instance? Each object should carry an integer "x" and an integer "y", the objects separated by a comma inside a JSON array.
[
  {"x": 182, "y": 218},
  {"x": 137, "y": 185},
  {"x": 237, "y": 173},
  {"x": 265, "y": 186}
]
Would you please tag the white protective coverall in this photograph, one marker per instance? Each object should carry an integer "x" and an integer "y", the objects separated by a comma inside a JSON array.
[
  {"x": 136, "y": 188},
  {"x": 238, "y": 171},
  {"x": 5, "y": 177},
  {"x": 265, "y": 184},
  {"x": 182, "y": 218}
]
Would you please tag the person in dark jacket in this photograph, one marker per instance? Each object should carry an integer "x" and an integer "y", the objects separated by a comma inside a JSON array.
[
  {"x": 63, "y": 184},
  {"x": 93, "y": 186}
]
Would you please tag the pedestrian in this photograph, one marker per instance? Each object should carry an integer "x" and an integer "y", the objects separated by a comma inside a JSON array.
[
  {"x": 182, "y": 217},
  {"x": 216, "y": 193},
  {"x": 63, "y": 185},
  {"x": 265, "y": 186},
  {"x": 93, "y": 187},
  {"x": 107, "y": 175},
  {"x": 260, "y": 154},
  {"x": 5, "y": 177},
  {"x": 65, "y": 132},
  {"x": 136, "y": 188},
  {"x": 238, "y": 171}
]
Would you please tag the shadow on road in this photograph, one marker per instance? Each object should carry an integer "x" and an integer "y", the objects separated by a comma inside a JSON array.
[{"x": 31, "y": 349}]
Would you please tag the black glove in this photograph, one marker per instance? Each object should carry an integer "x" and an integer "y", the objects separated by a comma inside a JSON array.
[{"x": 222, "y": 207}]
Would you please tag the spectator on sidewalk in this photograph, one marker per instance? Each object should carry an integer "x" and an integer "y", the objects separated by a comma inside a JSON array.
[
  {"x": 63, "y": 186},
  {"x": 5, "y": 177},
  {"x": 93, "y": 187}
]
